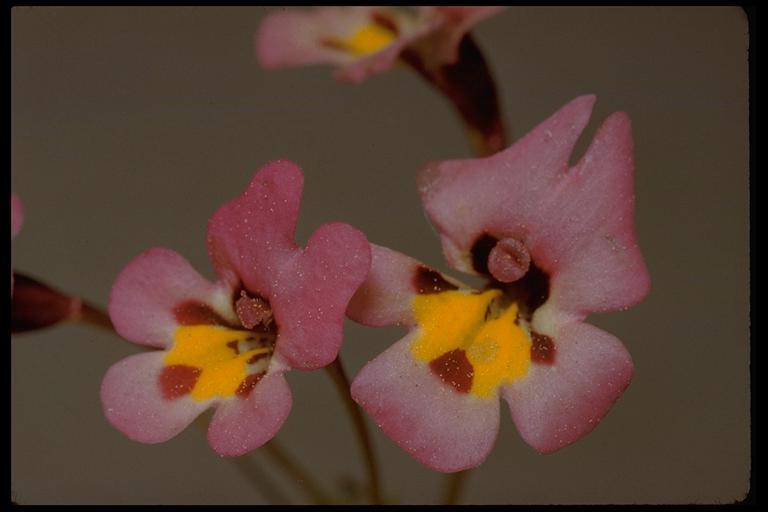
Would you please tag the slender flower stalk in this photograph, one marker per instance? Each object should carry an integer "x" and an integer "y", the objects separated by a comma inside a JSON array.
[
  {"x": 455, "y": 483},
  {"x": 339, "y": 377}
]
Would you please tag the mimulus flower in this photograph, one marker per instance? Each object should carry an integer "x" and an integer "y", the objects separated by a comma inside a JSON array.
[
  {"x": 556, "y": 243},
  {"x": 227, "y": 344},
  {"x": 364, "y": 41}
]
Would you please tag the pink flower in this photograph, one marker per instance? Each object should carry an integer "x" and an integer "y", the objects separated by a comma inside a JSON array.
[
  {"x": 556, "y": 244},
  {"x": 364, "y": 41},
  {"x": 227, "y": 344}
]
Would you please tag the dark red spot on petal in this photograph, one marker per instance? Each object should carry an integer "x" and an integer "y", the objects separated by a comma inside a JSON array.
[
  {"x": 178, "y": 380},
  {"x": 248, "y": 384},
  {"x": 428, "y": 281},
  {"x": 253, "y": 310},
  {"x": 194, "y": 312},
  {"x": 235, "y": 346},
  {"x": 257, "y": 357},
  {"x": 332, "y": 43},
  {"x": 542, "y": 348},
  {"x": 383, "y": 20},
  {"x": 455, "y": 369}
]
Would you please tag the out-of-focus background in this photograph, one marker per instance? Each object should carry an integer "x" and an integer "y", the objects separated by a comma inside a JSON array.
[{"x": 130, "y": 126}]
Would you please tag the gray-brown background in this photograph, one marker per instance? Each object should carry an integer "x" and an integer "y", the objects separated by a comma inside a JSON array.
[{"x": 130, "y": 126}]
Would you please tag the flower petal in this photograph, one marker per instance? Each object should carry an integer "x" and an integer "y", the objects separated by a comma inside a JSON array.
[
  {"x": 444, "y": 430},
  {"x": 386, "y": 295},
  {"x": 17, "y": 215},
  {"x": 313, "y": 292},
  {"x": 252, "y": 237},
  {"x": 593, "y": 253},
  {"x": 557, "y": 404},
  {"x": 132, "y": 401},
  {"x": 294, "y": 37},
  {"x": 239, "y": 426},
  {"x": 578, "y": 223},
  {"x": 147, "y": 290}
]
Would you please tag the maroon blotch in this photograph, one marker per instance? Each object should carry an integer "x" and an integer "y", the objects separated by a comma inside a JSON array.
[
  {"x": 428, "y": 281},
  {"x": 193, "y": 312},
  {"x": 542, "y": 348},
  {"x": 248, "y": 384},
  {"x": 454, "y": 369},
  {"x": 384, "y": 21},
  {"x": 178, "y": 380},
  {"x": 256, "y": 357}
]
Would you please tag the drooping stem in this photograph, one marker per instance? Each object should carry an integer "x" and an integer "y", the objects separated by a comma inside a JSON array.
[
  {"x": 469, "y": 86},
  {"x": 339, "y": 376},
  {"x": 454, "y": 487}
]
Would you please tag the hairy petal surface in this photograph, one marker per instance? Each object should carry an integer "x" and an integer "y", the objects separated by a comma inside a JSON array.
[
  {"x": 316, "y": 288},
  {"x": 132, "y": 400},
  {"x": 558, "y": 404},
  {"x": 444, "y": 430},
  {"x": 577, "y": 223},
  {"x": 148, "y": 289},
  {"x": 251, "y": 238}
]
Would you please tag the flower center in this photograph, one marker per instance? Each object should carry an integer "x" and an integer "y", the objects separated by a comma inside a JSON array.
[
  {"x": 368, "y": 38},
  {"x": 212, "y": 358},
  {"x": 473, "y": 341}
]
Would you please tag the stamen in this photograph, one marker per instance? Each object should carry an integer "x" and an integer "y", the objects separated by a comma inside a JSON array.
[
  {"x": 253, "y": 311},
  {"x": 509, "y": 260}
]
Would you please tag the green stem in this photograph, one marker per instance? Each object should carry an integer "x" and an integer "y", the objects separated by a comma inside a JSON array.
[
  {"x": 339, "y": 377},
  {"x": 454, "y": 487}
]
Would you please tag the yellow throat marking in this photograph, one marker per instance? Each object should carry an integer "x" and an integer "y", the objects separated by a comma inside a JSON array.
[
  {"x": 368, "y": 39},
  {"x": 205, "y": 347},
  {"x": 498, "y": 349}
]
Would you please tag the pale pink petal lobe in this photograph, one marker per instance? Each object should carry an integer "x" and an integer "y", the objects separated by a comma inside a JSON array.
[
  {"x": 599, "y": 265},
  {"x": 386, "y": 294},
  {"x": 241, "y": 425},
  {"x": 558, "y": 403},
  {"x": 314, "y": 291},
  {"x": 133, "y": 402},
  {"x": 150, "y": 287},
  {"x": 444, "y": 430}
]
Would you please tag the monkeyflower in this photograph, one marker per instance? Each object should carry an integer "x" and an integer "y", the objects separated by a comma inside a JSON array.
[
  {"x": 555, "y": 243},
  {"x": 365, "y": 41},
  {"x": 227, "y": 344}
]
